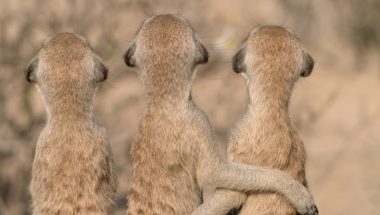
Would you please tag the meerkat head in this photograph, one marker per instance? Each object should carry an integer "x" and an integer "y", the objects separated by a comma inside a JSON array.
[
  {"x": 66, "y": 65},
  {"x": 271, "y": 53},
  {"x": 165, "y": 47}
]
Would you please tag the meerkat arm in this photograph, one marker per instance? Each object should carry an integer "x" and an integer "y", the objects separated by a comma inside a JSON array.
[
  {"x": 221, "y": 202},
  {"x": 240, "y": 177}
]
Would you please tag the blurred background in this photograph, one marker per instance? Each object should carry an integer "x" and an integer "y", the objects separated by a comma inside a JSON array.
[{"x": 336, "y": 109}]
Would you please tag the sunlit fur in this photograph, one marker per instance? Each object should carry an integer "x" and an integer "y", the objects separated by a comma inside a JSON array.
[
  {"x": 73, "y": 171},
  {"x": 271, "y": 60},
  {"x": 174, "y": 154}
]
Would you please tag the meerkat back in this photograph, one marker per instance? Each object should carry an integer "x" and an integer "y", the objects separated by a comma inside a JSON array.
[
  {"x": 271, "y": 60},
  {"x": 73, "y": 171},
  {"x": 174, "y": 154}
]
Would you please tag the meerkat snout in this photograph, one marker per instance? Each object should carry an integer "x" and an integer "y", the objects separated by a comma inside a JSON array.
[{"x": 50, "y": 53}]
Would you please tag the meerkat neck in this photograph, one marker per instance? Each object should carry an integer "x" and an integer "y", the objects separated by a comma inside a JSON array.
[
  {"x": 171, "y": 94},
  {"x": 169, "y": 102},
  {"x": 268, "y": 101},
  {"x": 69, "y": 109}
]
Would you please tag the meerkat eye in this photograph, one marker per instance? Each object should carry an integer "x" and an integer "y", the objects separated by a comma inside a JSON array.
[
  {"x": 238, "y": 61},
  {"x": 30, "y": 72},
  {"x": 308, "y": 65},
  {"x": 129, "y": 56}
]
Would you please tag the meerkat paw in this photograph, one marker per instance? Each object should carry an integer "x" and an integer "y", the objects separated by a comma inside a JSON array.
[
  {"x": 303, "y": 201},
  {"x": 312, "y": 211},
  {"x": 308, "y": 209}
]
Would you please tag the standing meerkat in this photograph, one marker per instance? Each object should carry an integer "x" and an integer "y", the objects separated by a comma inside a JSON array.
[
  {"x": 73, "y": 171},
  {"x": 174, "y": 154},
  {"x": 271, "y": 60}
]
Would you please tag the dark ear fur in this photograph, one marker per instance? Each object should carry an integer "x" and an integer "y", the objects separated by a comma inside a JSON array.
[
  {"x": 238, "y": 61},
  {"x": 30, "y": 72},
  {"x": 308, "y": 65},
  {"x": 129, "y": 56},
  {"x": 101, "y": 71},
  {"x": 203, "y": 57}
]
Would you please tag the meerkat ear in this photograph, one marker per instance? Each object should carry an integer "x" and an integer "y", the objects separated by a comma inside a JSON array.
[
  {"x": 129, "y": 58},
  {"x": 202, "y": 58},
  {"x": 30, "y": 72},
  {"x": 308, "y": 65},
  {"x": 238, "y": 61},
  {"x": 101, "y": 71}
]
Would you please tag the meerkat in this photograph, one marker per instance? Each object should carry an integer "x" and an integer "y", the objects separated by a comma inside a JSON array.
[
  {"x": 173, "y": 155},
  {"x": 271, "y": 60},
  {"x": 73, "y": 170}
]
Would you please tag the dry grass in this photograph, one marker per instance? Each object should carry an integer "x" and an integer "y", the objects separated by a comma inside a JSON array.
[{"x": 337, "y": 109}]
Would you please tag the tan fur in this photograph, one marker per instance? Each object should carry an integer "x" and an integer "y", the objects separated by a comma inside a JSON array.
[
  {"x": 73, "y": 171},
  {"x": 174, "y": 153},
  {"x": 271, "y": 60}
]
